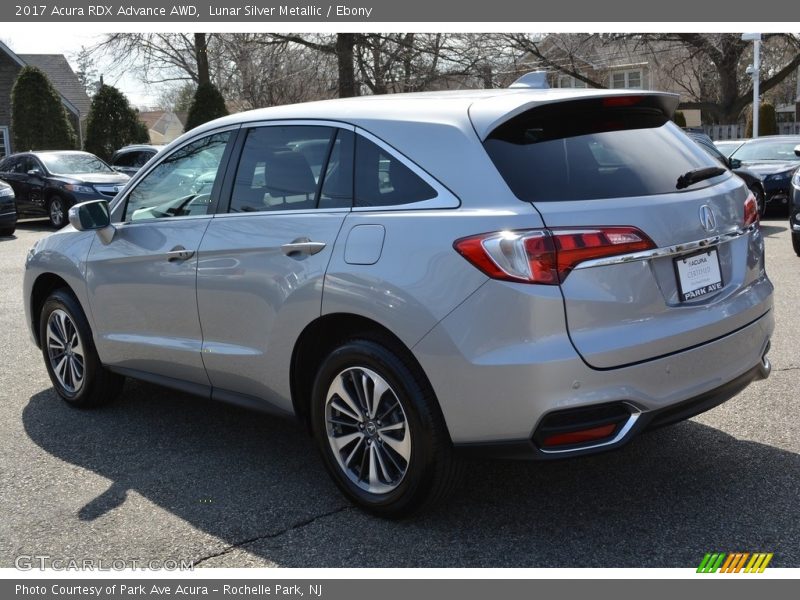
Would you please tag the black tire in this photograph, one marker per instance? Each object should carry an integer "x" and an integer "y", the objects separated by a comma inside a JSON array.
[
  {"x": 97, "y": 386},
  {"x": 796, "y": 243},
  {"x": 761, "y": 199},
  {"x": 432, "y": 472},
  {"x": 57, "y": 209},
  {"x": 7, "y": 231}
]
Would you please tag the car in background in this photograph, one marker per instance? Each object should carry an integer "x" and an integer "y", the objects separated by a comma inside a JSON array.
[
  {"x": 8, "y": 210},
  {"x": 728, "y": 147},
  {"x": 47, "y": 183},
  {"x": 775, "y": 160},
  {"x": 752, "y": 179},
  {"x": 131, "y": 158},
  {"x": 794, "y": 210}
]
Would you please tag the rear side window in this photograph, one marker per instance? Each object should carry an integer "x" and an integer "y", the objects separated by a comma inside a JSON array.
[
  {"x": 586, "y": 150},
  {"x": 382, "y": 180},
  {"x": 293, "y": 167}
]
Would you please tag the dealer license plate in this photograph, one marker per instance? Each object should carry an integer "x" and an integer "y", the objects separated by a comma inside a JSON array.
[{"x": 698, "y": 275}]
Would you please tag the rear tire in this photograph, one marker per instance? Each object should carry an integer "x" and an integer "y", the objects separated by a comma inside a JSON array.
[
  {"x": 796, "y": 243},
  {"x": 70, "y": 356},
  {"x": 389, "y": 452},
  {"x": 7, "y": 231}
]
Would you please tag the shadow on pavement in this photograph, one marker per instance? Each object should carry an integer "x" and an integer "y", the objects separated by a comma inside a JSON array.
[{"x": 664, "y": 500}]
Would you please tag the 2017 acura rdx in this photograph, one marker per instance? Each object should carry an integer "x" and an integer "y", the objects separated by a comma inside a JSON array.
[{"x": 522, "y": 272}]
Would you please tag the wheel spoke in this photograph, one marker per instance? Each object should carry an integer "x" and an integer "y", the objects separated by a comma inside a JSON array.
[
  {"x": 338, "y": 390},
  {"x": 359, "y": 384},
  {"x": 374, "y": 481},
  {"x": 350, "y": 456},
  {"x": 339, "y": 442},
  {"x": 401, "y": 446},
  {"x": 382, "y": 466},
  {"x": 392, "y": 427},
  {"x": 379, "y": 388}
]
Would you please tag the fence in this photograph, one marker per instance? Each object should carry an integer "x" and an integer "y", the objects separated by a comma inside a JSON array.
[{"x": 736, "y": 131}]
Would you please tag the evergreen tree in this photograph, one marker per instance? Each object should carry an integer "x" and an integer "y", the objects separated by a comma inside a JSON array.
[
  {"x": 207, "y": 105},
  {"x": 767, "y": 120},
  {"x": 112, "y": 123},
  {"x": 38, "y": 118}
]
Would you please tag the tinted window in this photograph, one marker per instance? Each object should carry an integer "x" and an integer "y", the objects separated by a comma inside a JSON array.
[
  {"x": 583, "y": 151},
  {"x": 284, "y": 168},
  {"x": 9, "y": 165},
  {"x": 382, "y": 180},
  {"x": 126, "y": 159},
  {"x": 73, "y": 163},
  {"x": 768, "y": 150},
  {"x": 181, "y": 184}
]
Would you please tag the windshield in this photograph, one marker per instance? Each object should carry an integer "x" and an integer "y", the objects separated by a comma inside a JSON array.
[
  {"x": 575, "y": 151},
  {"x": 764, "y": 150},
  {"x": 73, "y": 164}
]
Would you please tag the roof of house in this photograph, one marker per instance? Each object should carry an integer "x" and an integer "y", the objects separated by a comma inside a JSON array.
[{"x": 63, "y": 78}]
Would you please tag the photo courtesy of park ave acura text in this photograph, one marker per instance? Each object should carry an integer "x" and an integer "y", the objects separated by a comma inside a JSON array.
[{"x": 382, "y": 299}]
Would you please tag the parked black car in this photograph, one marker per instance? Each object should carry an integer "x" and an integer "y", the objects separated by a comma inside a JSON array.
[
  {"x": 131, "y": 158},
  {"x": 751, "y": 178},
  {"x": 794, "y": 209},
  {"x": 46, "y": 184},
  {"x": 773, "y": 158},
  {"x": 8, "y": 210}
]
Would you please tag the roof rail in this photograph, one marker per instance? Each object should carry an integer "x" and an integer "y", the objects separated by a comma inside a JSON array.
[{"x": 533, "y": 80}]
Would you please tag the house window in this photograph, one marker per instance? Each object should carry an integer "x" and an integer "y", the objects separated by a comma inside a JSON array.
[
  {"x": 4, "y": 142},
  {"x": 627, "y": 79},
  {"x": 567, "y": 81}
]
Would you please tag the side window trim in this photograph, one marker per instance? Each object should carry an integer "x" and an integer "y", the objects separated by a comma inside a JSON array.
[
  {"x": 119, "y": 206},
  {"x": 445, "y": 198},
  {"x": 226, "y": 193}
]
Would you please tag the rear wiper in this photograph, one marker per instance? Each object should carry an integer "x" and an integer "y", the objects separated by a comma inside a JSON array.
[{"x": 695, "y": 175}]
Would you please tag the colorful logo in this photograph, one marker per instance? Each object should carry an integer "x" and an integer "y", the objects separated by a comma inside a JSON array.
[{"x": 714, "y": 562}]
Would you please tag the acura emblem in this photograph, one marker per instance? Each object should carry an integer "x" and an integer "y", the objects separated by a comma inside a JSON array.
[{"x": 707, "y": 218}]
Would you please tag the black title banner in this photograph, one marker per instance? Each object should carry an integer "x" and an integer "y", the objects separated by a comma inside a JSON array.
[{"x": 461, "y": 11}]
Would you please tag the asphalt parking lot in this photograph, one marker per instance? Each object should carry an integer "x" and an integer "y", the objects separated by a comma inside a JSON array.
[{"x": 162, "y": 475}]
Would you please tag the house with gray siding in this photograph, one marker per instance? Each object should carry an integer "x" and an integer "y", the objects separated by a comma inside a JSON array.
[{"x": 61, "y": 75}]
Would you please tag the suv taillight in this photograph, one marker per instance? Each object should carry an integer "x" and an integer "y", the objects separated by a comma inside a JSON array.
[
  {"x": 546, "y": 256},
  {"x": 750, "y": 211}
]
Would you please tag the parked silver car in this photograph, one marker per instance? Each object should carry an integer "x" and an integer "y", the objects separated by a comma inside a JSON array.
[{"x": 527, "y": 273}]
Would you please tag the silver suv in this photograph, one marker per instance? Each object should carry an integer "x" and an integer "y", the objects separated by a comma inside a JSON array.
[{"x": 526, "y": 273}]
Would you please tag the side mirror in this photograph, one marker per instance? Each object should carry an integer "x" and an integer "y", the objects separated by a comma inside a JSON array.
[
  {"x": 735, "y": 163},
  {"x": 797, "y": 150},
  {"x": 93, "y": 216},
  {"x": 35, "y": 173}
]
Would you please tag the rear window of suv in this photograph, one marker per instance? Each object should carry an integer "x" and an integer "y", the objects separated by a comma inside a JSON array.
[{"x": 594, "y": 149}]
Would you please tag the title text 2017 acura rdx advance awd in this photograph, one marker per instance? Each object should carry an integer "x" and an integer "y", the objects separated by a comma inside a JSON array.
[{"x": 522, "y": 272}]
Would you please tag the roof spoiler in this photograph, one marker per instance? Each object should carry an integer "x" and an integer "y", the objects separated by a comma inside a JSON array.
[{"x": 535, "y": 80}]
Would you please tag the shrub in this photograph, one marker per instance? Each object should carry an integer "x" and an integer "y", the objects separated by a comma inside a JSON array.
[
  {"x": 38, "y": 118},
  {"x": 112, "y": 124},
  {"x": 207, "y": 105},
  {"x": 679, "y": 119},
  {"x": 767, "y": 120}
]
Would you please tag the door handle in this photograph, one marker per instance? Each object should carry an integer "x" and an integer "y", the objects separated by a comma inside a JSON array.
[
  {"x": 179, "y": 253},
  {"x": 302, "y": 246}
]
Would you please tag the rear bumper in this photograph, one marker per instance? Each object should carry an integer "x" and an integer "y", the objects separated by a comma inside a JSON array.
[
  {"x": 500, "y": 363},
  {"x": 527, "y": 449}
]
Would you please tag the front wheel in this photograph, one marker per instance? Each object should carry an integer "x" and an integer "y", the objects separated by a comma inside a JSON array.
[
  {"x": 379, "y": 429},
  {"x": 796, "y": 243},
  {"x": 761, "y": 199},
  {"x": 70, "y": 356},
  {"x": 57, "y": 211}
]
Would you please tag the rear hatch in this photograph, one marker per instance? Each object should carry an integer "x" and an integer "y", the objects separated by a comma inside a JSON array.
[{"x": 594, "y": 164}]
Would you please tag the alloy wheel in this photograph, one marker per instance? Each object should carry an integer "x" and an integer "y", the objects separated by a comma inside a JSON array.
[
  {"x": 65, "y": 351},
  {"x": 367, "y": 430}
]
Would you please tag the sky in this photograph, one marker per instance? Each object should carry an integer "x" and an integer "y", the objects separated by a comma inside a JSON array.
[{"x": 69, "y": 44}]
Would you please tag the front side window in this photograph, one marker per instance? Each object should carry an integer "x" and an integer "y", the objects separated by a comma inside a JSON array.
[
  {"x": 383, "y": 180},
  {"x": 294, "y": 167},
  {"x": 181, "y": 184}
]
